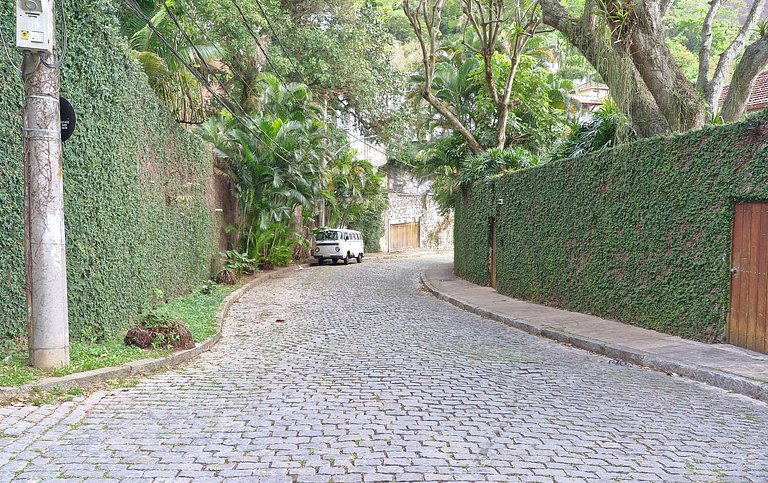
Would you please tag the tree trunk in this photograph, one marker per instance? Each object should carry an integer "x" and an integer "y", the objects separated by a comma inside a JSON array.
[
  {"x": 752, "y": 63},
  {"x": 454, "y": 121},
  {"x": 615, "y": 66},
  {"x": 705, "y": 51},
  {"x": 636, "y": 64},
  {"x": 677, "y": 98},
  {"x": 714, "y": 88}
]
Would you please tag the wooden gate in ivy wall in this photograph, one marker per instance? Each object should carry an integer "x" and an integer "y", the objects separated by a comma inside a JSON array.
[{"x": 747, "y": 320}]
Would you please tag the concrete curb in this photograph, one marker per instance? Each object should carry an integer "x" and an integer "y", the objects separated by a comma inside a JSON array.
[
  {"x": 723, "y": 380},
  {"x": 143, "y": 366},
  {"x": 406, "y": 254}
]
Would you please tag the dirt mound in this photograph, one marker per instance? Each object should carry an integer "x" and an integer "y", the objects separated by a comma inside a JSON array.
[{"x": 156, "y": 332}]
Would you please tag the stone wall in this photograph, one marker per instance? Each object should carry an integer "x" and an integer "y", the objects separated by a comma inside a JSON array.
[
  {"x": 410, "y": 201},
  {"x": 436, "y": 229}
]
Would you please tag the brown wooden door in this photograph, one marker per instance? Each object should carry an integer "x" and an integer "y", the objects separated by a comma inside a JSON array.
[
  {"x": 492, "y": 257},
  {"x": 403, "y": 235},
  {"x": 747, "y": 321}
]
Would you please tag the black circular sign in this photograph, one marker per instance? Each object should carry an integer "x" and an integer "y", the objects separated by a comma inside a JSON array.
[{"x": 68, "y": 119}]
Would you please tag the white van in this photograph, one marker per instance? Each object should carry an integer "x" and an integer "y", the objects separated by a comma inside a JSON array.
[{"x": 338, "y": 245}]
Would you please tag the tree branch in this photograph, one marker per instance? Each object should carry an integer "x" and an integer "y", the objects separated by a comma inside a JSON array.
[
  {"x": 752, "y": 63},
  {"x": 715, "y": 86},
  {"x": 705, "y": 52},
  {"x": 614, "y": 65},
  {"x": 423, "y": 18}
]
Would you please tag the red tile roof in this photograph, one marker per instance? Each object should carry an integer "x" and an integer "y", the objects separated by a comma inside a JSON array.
[{"x": 758, "y": 99}]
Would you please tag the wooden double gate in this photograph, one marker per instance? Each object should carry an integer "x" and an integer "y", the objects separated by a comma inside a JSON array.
[
  {"x": 403, "y": 235},
  {"x": 747, "y": 320}
]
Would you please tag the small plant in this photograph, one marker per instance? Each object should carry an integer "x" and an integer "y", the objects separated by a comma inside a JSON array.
[
  {"x": 273, "y": 246},
  {"x": 157, "y": 298},
  {"x": 208, "y": 287},
  {"x": 762, "y": 27},
  {"x": 236, "y": 264}
]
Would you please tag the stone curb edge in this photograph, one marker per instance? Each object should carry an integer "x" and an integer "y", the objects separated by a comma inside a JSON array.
[
  {"x": 143, "y": 366},
  {"x": 723, "y": 380}
]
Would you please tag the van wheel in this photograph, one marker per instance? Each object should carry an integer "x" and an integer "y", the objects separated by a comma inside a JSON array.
[
  {"x": 359, "y": 258},
  {"x": 320, "y": 261},
  {"x": 346, "y": 260}
]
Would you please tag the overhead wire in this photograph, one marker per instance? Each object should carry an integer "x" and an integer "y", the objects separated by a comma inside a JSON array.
[
  {"x": 274, "y": 33},
  {"x": 256, "y": 39},
  {"x": 63, "y": 51},
  {"x": 235, "y": 73},
  {"x": 7, "y": 50},
  {"x": 233, "y": 107},
  {"x": 202, "y": 60}
]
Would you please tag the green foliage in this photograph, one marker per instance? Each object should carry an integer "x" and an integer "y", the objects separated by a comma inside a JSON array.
[
  {"x": 197, "y": 311},
  {"x": 538, "y": 113},
  {"x": 171, "y": 81},
  {"x": 274, "y": 161},
  {"x": 273, "y": 246},
  {"x": 355, "y": 198},
  {"x": 447, "y": 163},
  {"x": 342, "y": 49},
  {"x": 607, "y": 127},
  {"x": 492, "y": 162},
  {"x": 135, "y": 186},
  {"x": 640, "y": 233},
  {"x": 540, "y": 107},
  {"x": 683, "y": 23},
  {"x": 280, "y": 173},
  {"x": 239, "y": 263}
]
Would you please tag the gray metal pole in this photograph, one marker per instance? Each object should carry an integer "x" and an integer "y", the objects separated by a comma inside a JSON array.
[{"x": 44, "y": 219}]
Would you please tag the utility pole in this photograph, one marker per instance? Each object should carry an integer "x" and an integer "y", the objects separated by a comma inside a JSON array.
[{"x": 46, "y": 273}]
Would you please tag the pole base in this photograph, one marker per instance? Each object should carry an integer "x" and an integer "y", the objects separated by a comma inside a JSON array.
[{"x": 47, "y": 359}]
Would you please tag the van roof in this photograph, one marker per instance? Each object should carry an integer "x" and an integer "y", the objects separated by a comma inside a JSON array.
[{"x": 338, "y": 229}]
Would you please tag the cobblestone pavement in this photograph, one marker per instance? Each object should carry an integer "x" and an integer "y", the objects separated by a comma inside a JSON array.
[{"x": 370, "y": 379}]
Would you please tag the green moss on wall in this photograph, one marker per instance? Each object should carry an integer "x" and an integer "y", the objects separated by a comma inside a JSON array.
[
  {"x": 135, "y": 186},
  {"x": 641, "y": 233}
]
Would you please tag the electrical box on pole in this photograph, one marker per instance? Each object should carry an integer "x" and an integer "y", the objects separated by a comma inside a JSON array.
[{"x": 34, "y": 26}]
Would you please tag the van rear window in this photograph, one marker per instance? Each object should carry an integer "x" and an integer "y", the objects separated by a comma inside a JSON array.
[{"x": 327, "y": 235}]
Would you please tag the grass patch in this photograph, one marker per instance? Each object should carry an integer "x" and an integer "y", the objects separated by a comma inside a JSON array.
[{"x": 197, "y": 310}]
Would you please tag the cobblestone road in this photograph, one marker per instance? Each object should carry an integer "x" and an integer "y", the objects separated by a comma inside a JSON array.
[{"x": 370, "y": 379}]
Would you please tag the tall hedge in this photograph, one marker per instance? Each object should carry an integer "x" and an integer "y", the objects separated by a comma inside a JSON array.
[
  {"x": 640, "y": 233},
  {"x": 135, "y": 185}
]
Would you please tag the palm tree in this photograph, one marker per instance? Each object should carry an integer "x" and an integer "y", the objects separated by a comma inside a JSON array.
[
  {"x": 604, "y": 129},
  {"x": 353, "y": 186},
  {"x": 187, "y": 99},
  {"x": 273, "y": 162}
]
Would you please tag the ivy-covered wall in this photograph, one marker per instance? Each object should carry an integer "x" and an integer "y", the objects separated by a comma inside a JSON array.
[
  {"x": 135, "y": 184},
  {"x": 640, "y": 233}
]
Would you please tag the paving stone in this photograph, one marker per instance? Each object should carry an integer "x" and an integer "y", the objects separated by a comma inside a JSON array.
[{"x": 370, "y": 379}]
